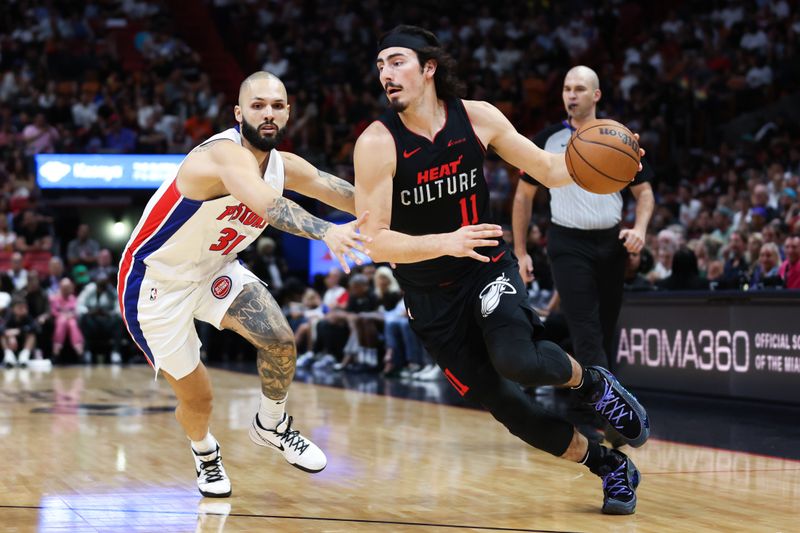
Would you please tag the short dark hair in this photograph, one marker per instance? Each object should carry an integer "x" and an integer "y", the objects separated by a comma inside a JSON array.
[{"x": 448, "y": 86}]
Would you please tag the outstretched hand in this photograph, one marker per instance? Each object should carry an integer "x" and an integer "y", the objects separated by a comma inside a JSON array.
[
  {"x": 344, "y": 240},
  {"x": 462, "y": 243}
]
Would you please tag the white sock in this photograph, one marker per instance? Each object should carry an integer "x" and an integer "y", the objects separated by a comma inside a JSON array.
[
  {"x": 271, "y": 412},
  {"x": 205, "y": 445}
]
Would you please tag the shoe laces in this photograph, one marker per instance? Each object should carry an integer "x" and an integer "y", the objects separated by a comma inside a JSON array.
[
  {"x": 212, "y": 469},
  {"x": 615, "y": 483},
  {"x": 612, "y": 407},
  {"x": 292, "y": 438}
]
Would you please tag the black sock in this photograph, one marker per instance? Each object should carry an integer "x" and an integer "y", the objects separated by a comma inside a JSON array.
[
  {"x": 600, "y": 460},
  {"x": 593, "y": 457},
  {"x": 588, "y": 385}
]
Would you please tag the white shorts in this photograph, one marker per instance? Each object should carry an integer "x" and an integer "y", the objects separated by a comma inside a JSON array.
[{"x": 160, "y": 314}]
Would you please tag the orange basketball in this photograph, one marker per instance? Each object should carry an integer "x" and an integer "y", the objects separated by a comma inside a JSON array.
[{"x": 603, "y": 156}]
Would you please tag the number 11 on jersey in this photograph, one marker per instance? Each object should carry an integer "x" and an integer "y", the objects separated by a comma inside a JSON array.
[{"x": 464, "y": 215}]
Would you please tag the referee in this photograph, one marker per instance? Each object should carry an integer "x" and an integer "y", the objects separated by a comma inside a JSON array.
[{"x": 586, "y": 246}]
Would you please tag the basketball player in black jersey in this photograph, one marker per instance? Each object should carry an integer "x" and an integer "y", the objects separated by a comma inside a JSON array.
[{"x": 419, "y": 172}]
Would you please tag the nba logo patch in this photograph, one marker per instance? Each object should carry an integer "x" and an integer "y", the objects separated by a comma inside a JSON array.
[
  {"x": 153, "y": 294},
  {"x": 221, "y": 287}
]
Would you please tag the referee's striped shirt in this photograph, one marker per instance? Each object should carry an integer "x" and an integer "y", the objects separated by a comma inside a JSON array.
[{"x": 571, "y": 206}]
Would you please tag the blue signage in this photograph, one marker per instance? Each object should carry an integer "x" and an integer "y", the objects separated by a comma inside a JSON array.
[{"x": 105, "y": 171}]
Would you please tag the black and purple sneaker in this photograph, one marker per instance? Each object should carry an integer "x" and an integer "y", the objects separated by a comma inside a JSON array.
[
  {"x": 619, "y": 486},
  {"x": 619, "y": 407}
]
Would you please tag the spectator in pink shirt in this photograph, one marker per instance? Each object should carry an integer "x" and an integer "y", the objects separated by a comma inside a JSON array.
[
  {"x": 63, "y": 307},
  {"x": 790, "y": 268},
  {"x": 40, "y": 137}
]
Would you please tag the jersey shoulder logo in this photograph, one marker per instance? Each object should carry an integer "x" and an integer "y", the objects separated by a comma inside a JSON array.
[
  {"x": 452, "y": 142},
  {"x": 491, "y": 293}
]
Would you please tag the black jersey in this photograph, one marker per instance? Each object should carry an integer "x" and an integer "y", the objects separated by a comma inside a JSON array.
[{"x": 438, "y": 187}]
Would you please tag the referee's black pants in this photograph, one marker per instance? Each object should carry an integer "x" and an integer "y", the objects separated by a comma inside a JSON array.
[{"x": 589, "y": 270}]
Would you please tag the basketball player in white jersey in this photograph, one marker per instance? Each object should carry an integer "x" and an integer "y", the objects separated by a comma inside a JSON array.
[{"x": 180, "y": 265}]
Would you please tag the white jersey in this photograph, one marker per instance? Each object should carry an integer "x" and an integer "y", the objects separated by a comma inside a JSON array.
[{"x": 182, "y": 239}]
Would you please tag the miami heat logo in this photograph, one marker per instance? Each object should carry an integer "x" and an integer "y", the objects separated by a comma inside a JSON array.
[
  {"x": 490, "y": 295},
  {"x": 221, "y": 287}
]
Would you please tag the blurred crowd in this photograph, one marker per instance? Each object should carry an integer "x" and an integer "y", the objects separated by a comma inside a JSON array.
[
  {"x": 713, "y": 88},
  {"x": 61, "y": 310}
]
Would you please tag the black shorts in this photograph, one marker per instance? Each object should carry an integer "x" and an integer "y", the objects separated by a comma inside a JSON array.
[{"x": 458, "y": 323}]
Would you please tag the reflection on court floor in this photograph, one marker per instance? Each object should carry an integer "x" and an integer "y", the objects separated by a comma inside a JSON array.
[{"x": 98, "y": 449}]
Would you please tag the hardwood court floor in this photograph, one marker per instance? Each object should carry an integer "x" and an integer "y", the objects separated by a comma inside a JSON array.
[{"x": 98, "y": 449}]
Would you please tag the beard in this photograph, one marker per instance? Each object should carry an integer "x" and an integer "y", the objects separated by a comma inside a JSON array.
[
  {"x": 394, "y": 104},
  {"x": 265, "y": 144},
  {"x": 397, "y": 106}
]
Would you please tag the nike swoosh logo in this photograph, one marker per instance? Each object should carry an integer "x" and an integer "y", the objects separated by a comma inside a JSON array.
[
  {"x": 496, "y": 258},
  {"x": 265, "y": 441},
  {"x": 408, "y": 154}
]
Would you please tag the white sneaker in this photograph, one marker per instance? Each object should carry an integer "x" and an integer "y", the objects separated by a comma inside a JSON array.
[
  {"x": 410, "y": 370},
  {"x": 422, "y": 371},
  {"x": 116, "y": 358},
  {"x": 432, "y": 374},
  {"x": 212, "y": 480},
  {"x": 24, "y": 357},
  {"x": 326, "y": 362},
  {"x": 297, "y": 450},
  {"x": 306, "y": 359},
  {"x": 9, "y": 358}
]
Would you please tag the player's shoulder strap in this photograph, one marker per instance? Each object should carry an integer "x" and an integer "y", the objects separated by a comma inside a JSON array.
[
  {"x": 231, "y": 134},
  {"x": 391, "y": 120}
]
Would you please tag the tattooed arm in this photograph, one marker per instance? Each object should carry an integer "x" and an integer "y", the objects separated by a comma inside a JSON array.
[
  {"x": 342, "y": 239},
  {"x": 305, "y": 178},
  {"x": 238, "y": 171},
  {"x": 287, "y": 216}
]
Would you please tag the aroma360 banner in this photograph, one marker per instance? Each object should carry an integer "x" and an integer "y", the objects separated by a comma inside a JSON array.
[{"x": 740, "y": 345}]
